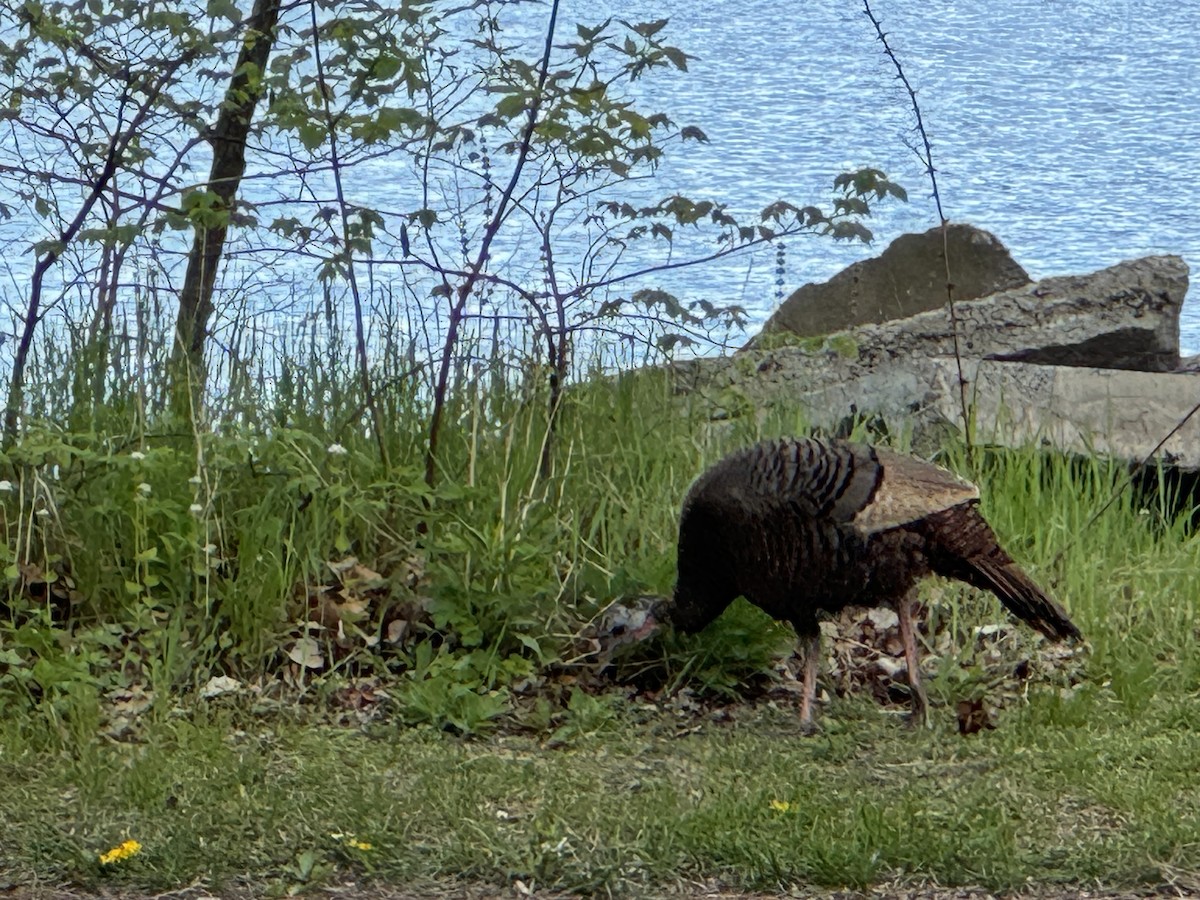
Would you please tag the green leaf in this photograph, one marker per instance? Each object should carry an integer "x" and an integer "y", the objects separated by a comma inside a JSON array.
[
  {"x": 618, "y": 168},
  {"x": 512, "y": 105},
  {"x": 590, "y": 34},
  {"x": 10, "y": 657},
  {"x": 677, "y": 57},
  {"x": 649, "y": 29},
  {"x": 587, "y": 98},
  {"x": 779, "y": 210},
  {"x": 638, "y": 126},
  {"x": 205, "y": 209},
  {"x": 393, "y": 118},
  {"x": 224, "y": 9},
  {"x": 669, "y": 342},
  {"x": 531, "y": 643},
  {"x": 110, "y": 237},
  {"x": 552, "y": 130},
  {"x": 49, "y": 246},
  {"x": 312, "y": 135},
  {"x": 385, "y": 66}
]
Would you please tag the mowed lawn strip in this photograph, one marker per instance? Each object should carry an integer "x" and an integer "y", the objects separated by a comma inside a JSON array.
[{"x": 1097, "y": 795}]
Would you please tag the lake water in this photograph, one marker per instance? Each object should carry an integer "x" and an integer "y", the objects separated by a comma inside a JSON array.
[{"x": 1071, "y": 130}]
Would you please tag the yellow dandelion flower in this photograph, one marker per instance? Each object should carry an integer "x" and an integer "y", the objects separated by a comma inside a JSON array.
[
  {"x": 351, "y": 841},
  {"x": 781, "y": 806},
  {"x": 116, "y": 854}
]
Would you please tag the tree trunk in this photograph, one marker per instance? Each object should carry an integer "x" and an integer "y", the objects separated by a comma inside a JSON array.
[{"x": 228, "y": 137}]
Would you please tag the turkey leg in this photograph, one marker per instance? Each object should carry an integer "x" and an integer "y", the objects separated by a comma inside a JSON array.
[
  {"x": 808, "y": 685},
  {"x": 920, "y": 703}
]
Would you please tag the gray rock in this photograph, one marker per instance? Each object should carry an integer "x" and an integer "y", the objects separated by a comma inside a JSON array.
[
  {"x": 1054, "y": 362},
  {"x": 909, "y": 277}
]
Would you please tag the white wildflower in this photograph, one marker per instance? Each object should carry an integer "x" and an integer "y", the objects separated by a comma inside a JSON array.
[
  {"x": 138, "y": 455},
  {"x": 195, "y": 480},
  {"x": 336, "y": 450},
  {"x": 6, "y": 486},
  {"x": 209, "y": 549},
  {"x": 43, "y": 512},
  {"x": 196, "y": 509},
  {"x": 143, "y": 488}
]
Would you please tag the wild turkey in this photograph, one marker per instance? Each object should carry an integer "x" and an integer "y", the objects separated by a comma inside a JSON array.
[{"x": 802, "y": 527}]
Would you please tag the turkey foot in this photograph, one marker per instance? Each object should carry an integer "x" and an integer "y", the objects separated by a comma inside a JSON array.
[
  {"x": 920, "y": 702},
  {"x": 811, "y": 644}
]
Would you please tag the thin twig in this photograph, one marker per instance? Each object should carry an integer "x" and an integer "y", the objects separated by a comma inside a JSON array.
[
  {"x": 476, "y": 268},
  {"x": 360, "y": 338},
  {"x": 117, "y": 147},
  {"x": 926, "y": 157}
]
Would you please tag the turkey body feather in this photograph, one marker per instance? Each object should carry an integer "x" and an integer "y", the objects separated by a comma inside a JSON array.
[{"x": 801, "y": 527}]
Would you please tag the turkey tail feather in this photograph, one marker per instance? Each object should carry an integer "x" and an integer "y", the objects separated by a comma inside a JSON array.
[
  {"x": 965, "y": 547},
  {"x": 1022, "y": 596}
]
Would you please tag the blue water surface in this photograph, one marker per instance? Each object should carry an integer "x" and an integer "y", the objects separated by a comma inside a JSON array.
[{"x": 1071, "y": 130}]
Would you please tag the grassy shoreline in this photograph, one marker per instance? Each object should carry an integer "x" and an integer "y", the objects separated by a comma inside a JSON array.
[{"x": 283, "y": 559}]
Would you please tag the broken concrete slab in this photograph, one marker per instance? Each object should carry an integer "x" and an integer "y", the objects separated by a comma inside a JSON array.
[
  {"x": 1125, "y": 316},
  {"x": 1117, "y": 413},
  {"x": 1028, "y": 359}
]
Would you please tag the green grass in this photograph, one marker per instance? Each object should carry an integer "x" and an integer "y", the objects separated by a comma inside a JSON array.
[
  {"x": 217, "y": 569},
  {"x": 1101, "y": 796}
]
